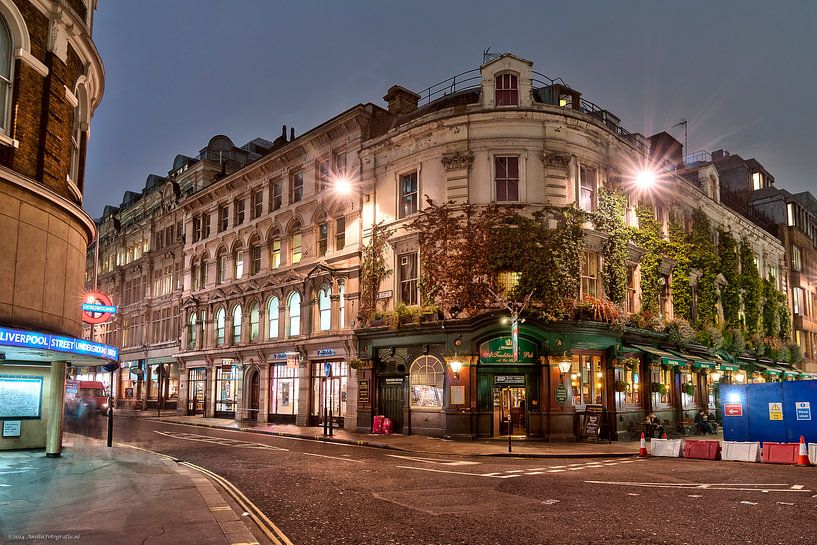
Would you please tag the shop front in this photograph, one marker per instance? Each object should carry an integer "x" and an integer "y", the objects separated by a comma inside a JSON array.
[
  {"x": 283, "y": 389},
  {"x": 227, "y": 385},
  {"x": 328, "y": 392},
  {"x": 196, "y": 390}
]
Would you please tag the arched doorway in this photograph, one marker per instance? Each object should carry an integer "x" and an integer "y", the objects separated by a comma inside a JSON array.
[{"x": 252, "y": 393}]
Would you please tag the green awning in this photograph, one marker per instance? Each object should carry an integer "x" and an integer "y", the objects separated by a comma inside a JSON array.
[
  {"x": 700, "y": 363},
  {"x": 728, "y": 366},
  {"x": 667, "y": 358},
  {"x": 763, "y": 368},
  {"x": 791, "y": 373},
  {"x": 806, "y": 376}
]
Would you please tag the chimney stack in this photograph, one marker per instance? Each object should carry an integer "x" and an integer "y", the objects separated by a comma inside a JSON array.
[
  {"x": 292, "y": 134},
  {"x": 401, "y": 100}
]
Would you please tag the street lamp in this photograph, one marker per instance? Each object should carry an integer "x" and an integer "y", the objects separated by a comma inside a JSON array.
[
  {"x": 343, "y": 186},
  {"x": 455, "y": 365},
  {"x": 564, "y": 368}
]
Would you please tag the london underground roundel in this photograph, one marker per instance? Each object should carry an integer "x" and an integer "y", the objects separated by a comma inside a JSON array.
[{"x": 97, "y": 308}]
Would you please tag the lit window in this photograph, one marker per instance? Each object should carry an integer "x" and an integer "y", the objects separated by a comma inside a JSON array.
[
  {"x": 275, "y": 253},
  {"x": 408, "y": 278},
  {"x": 506, "y": 178},
  {"x": 507, "y": 281},
  {"x": 272, "y": 318},
  {"x": 757, "y": 181},
  {"x": 790, "y": 214},
  {"x": 426, "y": 377},
  {"x": 325, "y": 309},
  {"x": 796, "y": 259},
  {"x": 237, "y": 324},
  {"x": 797, "y": 301},
  {"x": 239, "y": 264},
  {"x": 191, "y": 331},
  {"x": 295, "y": 244},
  {"x": 323, "y": 237},
  {"x": 294, "y": 311},
  {"x": 507, "y": 90},
  {"x": 587, "y": 376},
  {"x": 408, "y": 194}
]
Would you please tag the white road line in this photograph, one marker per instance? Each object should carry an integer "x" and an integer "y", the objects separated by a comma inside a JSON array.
[
  {"x": 534, "y": 473},
  {"x": 797, "y": 486},
  {"x": 332, "y": 457},
  {"x": 219, "y": 441},
  {"x": 749, "y": 502},
  {"x": 434, "y": 461},
  {"x": 556, "y": 470},
  {"x": 490, "y": 475},
  {"x": 556, "y": 467},
  {"x": 700, "y": 486},
  {"x": 784, "y": 503},
  {"x": 515, "y": 471}
]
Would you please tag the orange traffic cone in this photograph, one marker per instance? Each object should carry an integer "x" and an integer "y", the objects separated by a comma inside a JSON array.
[
  {"x": 642, "y": 448},
  {"x": 802, "y": 456}
]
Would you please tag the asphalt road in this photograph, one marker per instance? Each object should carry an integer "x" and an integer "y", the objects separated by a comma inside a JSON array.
[{"x": 326, "y": 493}]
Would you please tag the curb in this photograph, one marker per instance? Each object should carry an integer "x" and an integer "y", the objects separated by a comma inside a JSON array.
[{"x": 386, "y": 446}]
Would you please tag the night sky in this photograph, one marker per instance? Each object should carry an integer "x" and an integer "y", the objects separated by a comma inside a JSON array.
[{"x": 743, "y": 73}]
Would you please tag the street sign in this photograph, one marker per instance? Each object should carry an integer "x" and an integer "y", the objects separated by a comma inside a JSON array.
[
  {"x": 593, "y": 415},
  {"x": 803, "y": 410},
  {"x": 732, "y": 409},
  {"x": 775, "y": 411}
]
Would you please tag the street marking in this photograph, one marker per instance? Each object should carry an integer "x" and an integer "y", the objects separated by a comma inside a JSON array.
[
  {"x": 490, "y": 475},
  {"x": 709, "y": 486},
  {"x": 749, "y": 502},
  {"x": 694, "y": 495},
  {"x": 550, "y": 502},
  {"x": 556, "y": 470},
  {"x": 332, "y": 457},
  {"x": 433, "y": 461},
  {"x": 515, "y": 471},
  {"x": 556, "y": 467},
  {"x": 219, "y": 441},
  {"x": 784, "y": 503},
  {"x": 534, "y": 473},
  {"x": 631, "y": 494}
]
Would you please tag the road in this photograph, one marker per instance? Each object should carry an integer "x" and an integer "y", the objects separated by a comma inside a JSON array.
[{"x": 331, "y": 493}]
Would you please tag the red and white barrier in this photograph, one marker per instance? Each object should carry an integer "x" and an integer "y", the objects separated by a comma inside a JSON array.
[
  {"x": 670, "y": 448},
  {"x": 739, "y": 451},
  {"x": 780, "y": 453}
]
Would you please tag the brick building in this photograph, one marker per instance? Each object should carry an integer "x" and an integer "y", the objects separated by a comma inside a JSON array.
[{"x": 51, "y": 81}]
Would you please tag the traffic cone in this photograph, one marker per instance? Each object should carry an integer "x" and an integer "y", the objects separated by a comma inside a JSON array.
[
  {"x": 642, "y": 448},
  {"x": 802, "y": 456}
]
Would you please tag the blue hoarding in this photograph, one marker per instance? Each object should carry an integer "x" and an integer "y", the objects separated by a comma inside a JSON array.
[{"x": 778, "y": 411}]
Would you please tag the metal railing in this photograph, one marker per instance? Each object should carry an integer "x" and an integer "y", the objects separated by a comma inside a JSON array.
[
  {"x": 698, "y": 157},
  {"x": 465, "y": 80},
  {"x": 738, "y": 202}
]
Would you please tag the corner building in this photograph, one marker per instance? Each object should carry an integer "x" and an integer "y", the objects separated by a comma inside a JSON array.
[{"x": 51, "y": 81}]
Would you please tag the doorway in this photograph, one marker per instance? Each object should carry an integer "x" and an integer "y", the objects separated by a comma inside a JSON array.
[
  {"x": 392, "y": 401},
  {"x": 252, "y": 413},
  {"x": 195, "y": 394},
  {"x": 510, "y": 411}
]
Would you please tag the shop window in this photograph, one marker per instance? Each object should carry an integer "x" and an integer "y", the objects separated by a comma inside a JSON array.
[
  {"x": 294, "y": 312},
  {"x": 284, "y": 390},
  {"x": 628, "y": 386},
  {"x": 408, "y": 278},
  {"x": 688, "y": 386},
  {"x": 506, "y": 179},
  {"x": 426, "y": 377},
  {"x": 329, "y": 393},
  {"x": 227, "y": 381},
  {"x": 255, "y": 317},
  {"x": 325, "y": 309},
  {"x": 272, "y": 318},
  {"x": 507, "y": 90},
  {"x": 665, "y": 380},
  {"x": 587, "y": 379},
  {"x": 590, "y": 274},
  {"x": 408, "y": 194},
  {"x": 237, "y": 324},
  {"x": 220, "y": 320}
]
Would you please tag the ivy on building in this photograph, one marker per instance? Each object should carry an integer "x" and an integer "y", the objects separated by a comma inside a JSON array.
[
  {"x": 648, "y": 237},
  {"x": 609, "y": 219},
  {"x": 373, "y": 270},
  {"x": 751, "y": 286},
  {"x": 729, "y": 268}
]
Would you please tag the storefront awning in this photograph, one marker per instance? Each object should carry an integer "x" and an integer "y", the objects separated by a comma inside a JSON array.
[
  {"x": 700, "y": 363},
  {"x": 807, "y": 376},
  {"x": 725, "y": 366},
  {"x": 763, "y": 368},
  {"x": 667, "y": 358}
]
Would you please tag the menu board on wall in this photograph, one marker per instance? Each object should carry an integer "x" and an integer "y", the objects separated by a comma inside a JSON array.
[{"x": 20, "y": 396}]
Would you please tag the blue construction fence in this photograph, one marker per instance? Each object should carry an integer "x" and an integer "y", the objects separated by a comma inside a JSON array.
[{"x": 777, "y": 412}]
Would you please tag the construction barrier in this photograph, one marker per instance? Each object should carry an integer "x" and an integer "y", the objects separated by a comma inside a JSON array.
[
  {"x": 670, "y": 448},
  {"x": 780, "y": 453},
  {"x": 702, "y": 450},
  {"x": 812, "y": 453},
  {"x": 740, "y": 451}
]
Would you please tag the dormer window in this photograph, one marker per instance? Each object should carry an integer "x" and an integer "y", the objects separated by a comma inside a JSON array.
[{"x": 507, "y": 90}]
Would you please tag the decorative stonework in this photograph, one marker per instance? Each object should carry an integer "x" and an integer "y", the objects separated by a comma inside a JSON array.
[
  {"x": 457, "y": 160},
  {"x": 561, "y": 160}
]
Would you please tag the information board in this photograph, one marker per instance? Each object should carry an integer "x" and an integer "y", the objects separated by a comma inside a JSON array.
[
  {"x": 20, "y": 396},
  {"x": 458, "y": 395},
  {"x": 363, "y": 391},
  {"x": 11, "y": 428},
  {"x": 593, "y": 418},
  {"x": 803, "y": 409},
  {"x": 776, "y": 411}
]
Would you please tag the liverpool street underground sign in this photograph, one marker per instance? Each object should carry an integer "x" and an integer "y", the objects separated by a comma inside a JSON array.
[{"x": 97, "y": 308}]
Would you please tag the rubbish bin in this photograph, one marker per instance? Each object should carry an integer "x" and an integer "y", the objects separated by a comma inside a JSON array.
[
  {"x": 377, "y": 424},
  {"x": 388, "y": 426}
]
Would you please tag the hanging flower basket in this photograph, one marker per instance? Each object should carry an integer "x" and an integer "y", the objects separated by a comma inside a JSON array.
[
  {"x": 621, "y": 386},
  {"x": 663, "y": 389},
  {"x": 688, "y": 389},
  {"x": 630, "y": 363}
]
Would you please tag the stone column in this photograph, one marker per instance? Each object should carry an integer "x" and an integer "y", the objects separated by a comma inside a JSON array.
[
  {"x": 264, "y": 394},
  {"x": 56, "y": 396},
  {"x": 210, "y": 389},
  {"x": 304, "y": 394}
]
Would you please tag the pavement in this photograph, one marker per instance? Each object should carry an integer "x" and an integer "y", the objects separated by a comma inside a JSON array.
[
  {"x": 419, "y": 444},
  {"x": 97, "y": 495}
]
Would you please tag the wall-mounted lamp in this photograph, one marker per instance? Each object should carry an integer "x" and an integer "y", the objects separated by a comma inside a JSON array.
[
  {"x": 455, "y": 365},
  {"x": 564, "y": 368},
  {"x": 740, "y": 378},
  {"x": 715, "y": 376}
]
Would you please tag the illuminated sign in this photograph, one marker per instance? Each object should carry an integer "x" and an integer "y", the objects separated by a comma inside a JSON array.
[
  {"x": 97, "y": 308},
  {"x": 33, "y": 339},
  {"x": 21, "y": 396},
  {"x": 323, "y": 352}
]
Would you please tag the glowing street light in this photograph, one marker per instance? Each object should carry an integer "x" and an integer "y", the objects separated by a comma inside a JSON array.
[
  {"x": 343, "y": 186},
  {"x": 645, "y": 179}
]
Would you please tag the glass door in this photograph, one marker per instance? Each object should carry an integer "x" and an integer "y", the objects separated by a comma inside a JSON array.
[{"x": 513, "y": 413}]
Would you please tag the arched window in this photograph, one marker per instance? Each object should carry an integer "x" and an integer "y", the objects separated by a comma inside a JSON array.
[
  {"x": 221, "y": 266},
  {"x": 295, "y": 237},
  {"x": 426, "y": 378},
  {"x": 325, "y": 309},
  {"x": 342, "y": 313},
  {"x": 238, "y": 263},
  {"x": 6, "y": 50},
  {"x": 255, "y": 317},
  {"x": 507, "y": 90},
  {"x": 272, "y": 318},
  {"x": 255, "y": 256},
  {"x": 191, "y": 331},
  {"x": 203, "y": 273},
  {"x": 194, "y": 275},
  {"x": 275, "y": 250},
  {"x": 323, "y": 234},
  {"x": 294, "y": 312},
  {"x": 237, "y": 324},
  {"x": 220, "y": 316}
]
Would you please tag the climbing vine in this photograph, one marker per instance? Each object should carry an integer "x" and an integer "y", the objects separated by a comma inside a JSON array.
[
  {"x": 730, "y": 293},
  {"x": 751, "y": 286},
  {"x": 610, "y": 220},
  {"x": 373, "y": 269},
  {"x": 648, "y": 237},
  {"x": 704, "y": 258}
]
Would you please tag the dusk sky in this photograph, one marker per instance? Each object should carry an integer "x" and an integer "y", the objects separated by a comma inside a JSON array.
[{"x": 744, "y": 73}]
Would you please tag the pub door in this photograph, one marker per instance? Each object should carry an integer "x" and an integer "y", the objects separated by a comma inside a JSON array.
[
  {"x": 510, "y": 413},
  {"x": 254, "y": 392},
  {"x": 392, "y": 401}
]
